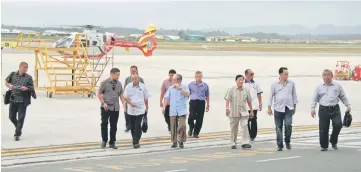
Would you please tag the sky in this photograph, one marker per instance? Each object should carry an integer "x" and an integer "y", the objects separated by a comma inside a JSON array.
[{"x": 180, "y": 14}]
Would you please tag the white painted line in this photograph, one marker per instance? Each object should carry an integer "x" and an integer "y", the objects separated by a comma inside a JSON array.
[
  {"x": 318, "y": 145},
  {"x": 291, "y": 157},
  {"x": 176, "y": 170}
]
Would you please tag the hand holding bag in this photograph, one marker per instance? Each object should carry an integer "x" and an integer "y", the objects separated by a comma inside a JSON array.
[{"x": 347, "y": 119}]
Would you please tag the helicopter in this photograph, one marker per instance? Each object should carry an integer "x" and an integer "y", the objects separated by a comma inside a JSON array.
[{"x": 104, "y": 42}]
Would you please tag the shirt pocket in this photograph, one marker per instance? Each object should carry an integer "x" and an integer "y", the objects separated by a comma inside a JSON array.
[{"x": 334, "y": 93}]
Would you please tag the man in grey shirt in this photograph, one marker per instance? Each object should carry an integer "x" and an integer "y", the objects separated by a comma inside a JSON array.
[
  {"x": 327, "y": 94},
  {"x": 109, "y": 93},
  {"x": 133, "y": 70},
  {"x": 284, "y": 98}
]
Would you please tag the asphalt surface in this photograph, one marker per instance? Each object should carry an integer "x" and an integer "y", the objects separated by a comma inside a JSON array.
[{"x": 261, "y": 157}]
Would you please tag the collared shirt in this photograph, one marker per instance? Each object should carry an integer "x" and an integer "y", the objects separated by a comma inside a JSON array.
[
  {"x": 177, "y": 101},
  {"x": 129, "y": 80},
  {"x": 283, "y": 95},
  {"x": 198, "y": 91},
  {"x": 238, "y": 98},
  {"x": 18, "y": 80},
  {"x": 111, "y": 90},
  {"x": 165, "y": 85},
  {"x": 254, "y": 90},
  {"x": 329, "y": 95},
  {"x": 136, "y": 94}
]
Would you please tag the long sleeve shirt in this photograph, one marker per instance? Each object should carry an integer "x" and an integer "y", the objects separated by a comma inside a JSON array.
[
  {"x": 329, "y": 95},
  {"x": 282, "y": 96}
]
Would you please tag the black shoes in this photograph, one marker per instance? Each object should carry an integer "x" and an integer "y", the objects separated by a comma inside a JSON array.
[
  {"x": 323, "y": 149},
  {"x": 246, "y": 146},
  {"x": 175, "y": 145},
  {"x": 288, "y": 146},
  {"x": 103, "y": 145},
  {"x": 136, "y": 146},
  {"x": 16, "y": 138},
  {"x": 334, "y": 146},
  {"x": 190, "y": 132},
  {"x": 113, "y": 146}
]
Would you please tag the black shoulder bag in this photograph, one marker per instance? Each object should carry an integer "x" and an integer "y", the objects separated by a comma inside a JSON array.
[{"x": 8, "y": 92}]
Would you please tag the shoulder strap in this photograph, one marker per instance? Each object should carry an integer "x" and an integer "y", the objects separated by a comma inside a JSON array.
[{"x": 11, "y": 77}]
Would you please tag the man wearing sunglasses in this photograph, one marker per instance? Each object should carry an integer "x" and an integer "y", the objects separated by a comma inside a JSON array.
[
  {"x": 109, "y": 93},
  {"x": 255, "y": 91}
]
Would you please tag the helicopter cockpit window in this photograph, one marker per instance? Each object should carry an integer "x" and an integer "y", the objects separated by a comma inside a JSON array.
[{"x": 64, "y": 43}]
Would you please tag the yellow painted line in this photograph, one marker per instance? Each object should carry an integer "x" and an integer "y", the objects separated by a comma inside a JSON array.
[
  {"x": 126, "y": 143},
  {"x": 205, "y": 135}
]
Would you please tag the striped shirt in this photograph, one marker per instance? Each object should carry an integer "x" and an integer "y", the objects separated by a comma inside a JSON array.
[{"x": 238, "y": 98}]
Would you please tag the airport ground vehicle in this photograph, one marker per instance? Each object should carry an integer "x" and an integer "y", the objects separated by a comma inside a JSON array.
[
  {"x": 356, "y": 73},
  {"x": 343, "y": 70}
]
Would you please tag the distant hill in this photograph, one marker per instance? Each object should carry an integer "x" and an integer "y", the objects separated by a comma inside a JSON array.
[
  {"x": 322, "y": 32},
  {"x": 325, "y": 29}
]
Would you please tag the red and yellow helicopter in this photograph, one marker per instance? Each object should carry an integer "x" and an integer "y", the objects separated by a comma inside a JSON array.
[{"x": 104, "y": 42}]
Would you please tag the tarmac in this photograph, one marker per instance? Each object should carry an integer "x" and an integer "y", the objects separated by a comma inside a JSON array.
[
  {"x": 76, "y": 120},
  {"x": 216, "y": 155}
]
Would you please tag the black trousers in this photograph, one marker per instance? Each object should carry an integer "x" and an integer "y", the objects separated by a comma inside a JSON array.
[
  {"x": 112, "y": 117},
  {"x": 196, "y": 112},
  {"x": 252, "y": 125},
  {"x": 136, "y": 124},
  {"x": 326, "y": 114},
  {"x": 166, "y": 117},
  {"x": 17, "y": 113},
  {"x": 127, "y": 120}
]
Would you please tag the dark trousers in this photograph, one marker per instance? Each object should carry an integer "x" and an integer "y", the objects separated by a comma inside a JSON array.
[
  {"x": 112, "y": 117},
  {"x": 166, "y": 117},
  {"x": 17, "y": 113},
  {"x": 252, "y": 125},
  {"x": 196, "y": 112},
  {"x": 285, "y": 117},
  {"x": 127, "y": 121},
  {"x": 136, "y": 125},
  {"x": 326, "y": 114}
]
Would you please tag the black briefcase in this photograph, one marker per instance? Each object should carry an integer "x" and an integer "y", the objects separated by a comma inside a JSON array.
[{"x": 347, "y": 119}]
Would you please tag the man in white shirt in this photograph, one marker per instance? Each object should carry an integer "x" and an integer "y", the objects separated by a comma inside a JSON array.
[
  {"x": 255, "y": 91},
  {"x": 136, "y": 95}
]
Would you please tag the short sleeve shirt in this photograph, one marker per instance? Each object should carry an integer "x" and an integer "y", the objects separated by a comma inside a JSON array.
[
  {"x": 136, "y": 94},
  {"x": 238, "y": 98},
  {"x": 112, "y": 91},
  {"x": 18, "y": 80}
]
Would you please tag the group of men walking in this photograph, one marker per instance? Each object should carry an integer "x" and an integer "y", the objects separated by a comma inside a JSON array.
[{"x": 243, "y": 101}]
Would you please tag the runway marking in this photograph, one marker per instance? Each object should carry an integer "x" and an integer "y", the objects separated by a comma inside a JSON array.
[
  {"x": 276, "y": 159},
  {"x": 318, "y": 145},
  {"x": 79, "y": 169},
  {"x": 125, "y": 143},
  {"x": 176, "y": 170}
]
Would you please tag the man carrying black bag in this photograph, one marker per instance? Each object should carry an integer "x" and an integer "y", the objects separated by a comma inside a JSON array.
[
  {"x": 328, "y": 95},
  {"x": 21, "y": 87},
  {"x": 136, "y": 95}
]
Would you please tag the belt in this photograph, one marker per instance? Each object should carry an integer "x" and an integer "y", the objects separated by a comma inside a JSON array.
[{"x": 330, "y": 107}]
